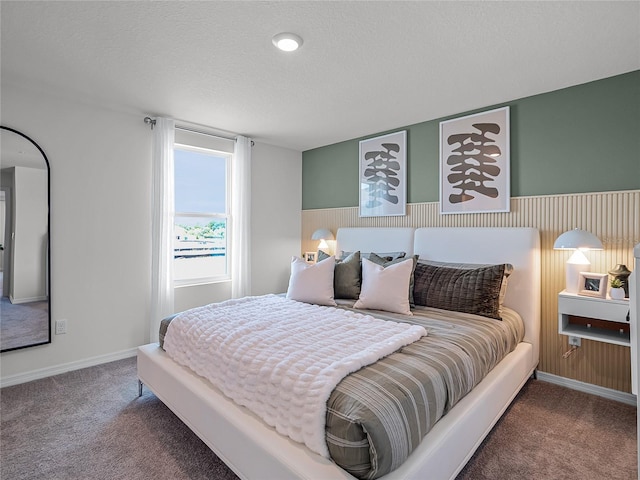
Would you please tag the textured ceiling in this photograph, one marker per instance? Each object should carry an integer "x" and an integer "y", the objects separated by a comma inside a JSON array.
[{"x": 365, "y": 67}]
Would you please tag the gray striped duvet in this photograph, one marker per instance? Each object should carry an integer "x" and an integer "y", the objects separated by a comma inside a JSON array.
[{"x": 378, "y": 415}]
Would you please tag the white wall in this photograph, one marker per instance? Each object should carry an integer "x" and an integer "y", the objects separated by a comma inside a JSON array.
[
  {"x": 28, "y": 272},
  {"x": 101, "y": 223},
  {"x": 276, "y": 180}
]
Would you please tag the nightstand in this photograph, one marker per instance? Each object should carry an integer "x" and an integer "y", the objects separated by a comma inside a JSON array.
[{"x": 593, "y": 318}]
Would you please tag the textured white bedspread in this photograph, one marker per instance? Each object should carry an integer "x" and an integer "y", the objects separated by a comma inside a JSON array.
[{"x": 281, "y": 358}]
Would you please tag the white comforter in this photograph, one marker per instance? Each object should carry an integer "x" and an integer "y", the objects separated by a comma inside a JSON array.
[{"x": 281, "y": 358}]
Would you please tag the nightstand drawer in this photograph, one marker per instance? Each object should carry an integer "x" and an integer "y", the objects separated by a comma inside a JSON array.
[
  {"x": 603, "y": 309},
  {"x": 592, "y": 318}
]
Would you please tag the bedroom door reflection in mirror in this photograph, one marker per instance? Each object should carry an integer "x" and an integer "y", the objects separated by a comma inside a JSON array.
[{"x": 25, "y": 318}]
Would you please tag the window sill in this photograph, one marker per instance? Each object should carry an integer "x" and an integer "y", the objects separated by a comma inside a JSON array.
[{"x": 197, "y": 283}]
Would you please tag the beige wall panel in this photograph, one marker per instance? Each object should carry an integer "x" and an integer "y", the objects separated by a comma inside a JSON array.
[{"x": 613, "y": 216}]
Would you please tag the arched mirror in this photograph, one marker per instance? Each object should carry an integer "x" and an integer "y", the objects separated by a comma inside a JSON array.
[{"x": 25, "y": 313}]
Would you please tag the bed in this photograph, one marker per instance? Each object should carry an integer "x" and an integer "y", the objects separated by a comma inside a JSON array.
[{"x": 254, "y": 450}]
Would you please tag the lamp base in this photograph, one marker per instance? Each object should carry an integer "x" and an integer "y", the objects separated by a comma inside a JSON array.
[{"x": 577, "y": 263}]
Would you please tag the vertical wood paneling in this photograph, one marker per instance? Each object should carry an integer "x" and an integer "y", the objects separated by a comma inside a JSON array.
[{"x": 613, "y": 216}]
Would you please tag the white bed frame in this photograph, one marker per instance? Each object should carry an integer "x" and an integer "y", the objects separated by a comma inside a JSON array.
[{"x": 255, "y": 451}]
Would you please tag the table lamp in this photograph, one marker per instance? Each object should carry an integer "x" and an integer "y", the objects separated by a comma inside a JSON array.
[
  {"x": 322, "y": 234},
  {"x": 580, "y": 241}
]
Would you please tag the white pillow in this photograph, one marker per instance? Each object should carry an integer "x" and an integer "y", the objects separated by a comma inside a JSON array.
[
  {"x": 386, "y": 288},
  {"x": 312, "y": 283}
]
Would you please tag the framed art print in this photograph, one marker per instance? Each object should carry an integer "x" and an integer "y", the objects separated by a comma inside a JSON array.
[
  {"x": 474, "y": 163},
  {"x": 383, "y": 175}
]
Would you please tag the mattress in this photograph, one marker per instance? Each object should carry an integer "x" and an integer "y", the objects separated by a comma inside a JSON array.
[{"x": 378, "y": 415}]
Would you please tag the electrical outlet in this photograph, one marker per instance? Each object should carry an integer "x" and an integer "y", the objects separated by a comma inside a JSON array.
[
  {"x": 61, "y": 327},
  {"x": 574, "y": 341}
]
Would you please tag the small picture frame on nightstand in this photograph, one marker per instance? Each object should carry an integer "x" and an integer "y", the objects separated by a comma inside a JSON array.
[
  {"x": 592, "y": 284},
  {"x": 310, "y": 257}
]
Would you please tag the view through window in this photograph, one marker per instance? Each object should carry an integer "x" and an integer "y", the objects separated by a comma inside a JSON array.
[{"x": 201, "y": 239}]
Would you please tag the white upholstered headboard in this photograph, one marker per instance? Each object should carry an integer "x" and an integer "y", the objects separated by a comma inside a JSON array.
[
  {"x": 375, "y": 239},
  {"x": 518, "y": 246}
]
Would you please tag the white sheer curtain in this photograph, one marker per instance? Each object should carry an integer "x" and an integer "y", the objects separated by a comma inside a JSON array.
[
  {"x": 241, "y": 219},
  {"x": 162, "y": 220}
]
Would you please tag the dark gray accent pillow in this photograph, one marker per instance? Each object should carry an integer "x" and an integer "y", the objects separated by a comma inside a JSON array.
[
  {"x": 379, "y": 260},
  {"x": 474, "y": 291},
  {"x": 346, "y": 275},
  {"x": 508, "y": 270}
]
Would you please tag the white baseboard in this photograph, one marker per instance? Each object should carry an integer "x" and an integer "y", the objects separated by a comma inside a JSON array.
[
  {"x": 19, "y": 301},
  {"x": 66, "y": 367},
  {"x": 609, "y": 393}
]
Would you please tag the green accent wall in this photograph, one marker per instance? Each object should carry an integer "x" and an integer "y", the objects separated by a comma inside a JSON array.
[{"x": 579, "y": 139}]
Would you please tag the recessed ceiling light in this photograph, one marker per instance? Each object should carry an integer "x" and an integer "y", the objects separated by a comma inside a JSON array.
[{"x": 287, "y": 42}]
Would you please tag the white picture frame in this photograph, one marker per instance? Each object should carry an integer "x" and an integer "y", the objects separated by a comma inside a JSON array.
[
  {"x": 383, "y": 175},
  {"x": 310, "y": 257},
  {"x": 475, "y": 163},
  {"x": 593, "y": 284}
]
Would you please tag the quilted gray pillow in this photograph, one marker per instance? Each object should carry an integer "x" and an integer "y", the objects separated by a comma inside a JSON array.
[
  {"x": 474, "y": 290},
  {"x": 508, "y": 270}
]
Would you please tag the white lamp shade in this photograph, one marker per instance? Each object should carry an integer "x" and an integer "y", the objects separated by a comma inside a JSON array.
[
  {"x": 577, "y": 239},
  {"x": 322, "y": 234}
]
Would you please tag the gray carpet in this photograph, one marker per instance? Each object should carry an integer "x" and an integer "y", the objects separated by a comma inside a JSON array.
[
  {"x": 23, "y": 323},
  {"x": 552, "y": 432},
  {"x": 90, "y": 424}
]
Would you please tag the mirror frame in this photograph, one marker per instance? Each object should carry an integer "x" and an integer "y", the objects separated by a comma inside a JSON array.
[{"x": 46, "y": 160}]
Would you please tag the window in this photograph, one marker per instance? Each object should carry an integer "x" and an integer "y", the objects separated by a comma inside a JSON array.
[{"x": 201, "y": 219}]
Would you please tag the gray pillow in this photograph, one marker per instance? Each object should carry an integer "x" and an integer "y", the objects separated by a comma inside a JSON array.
[
  {"x": 346, "y": 275},
  {"x": 508, "y": 270},
  {"x": 465, "y": 290},
  {"x": 386, "y": 255},
  {"x": 378, "y": 259}
]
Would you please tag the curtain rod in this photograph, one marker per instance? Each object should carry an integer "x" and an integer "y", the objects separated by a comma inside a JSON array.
[{"x": 152, "y": 122}]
